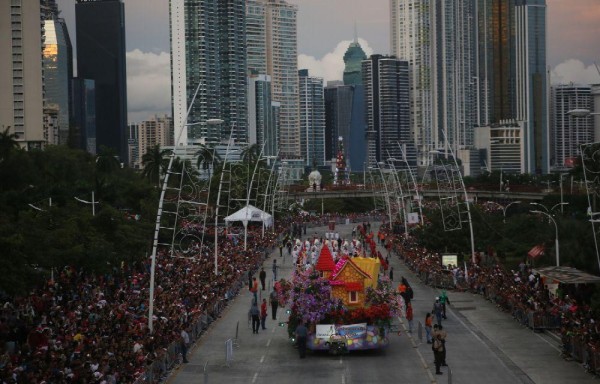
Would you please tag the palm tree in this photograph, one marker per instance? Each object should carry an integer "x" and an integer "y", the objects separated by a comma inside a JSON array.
[
  {"x": 107, "y": 160},
  {"x": 251, "y": 153},
  {"x": 154, "y": 163},
  {"x": 8, "y": 143},
  {"x": 207, "y": 156}
]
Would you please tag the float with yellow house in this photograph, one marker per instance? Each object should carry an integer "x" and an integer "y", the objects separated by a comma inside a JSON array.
[{"x": 345, "y": 303}]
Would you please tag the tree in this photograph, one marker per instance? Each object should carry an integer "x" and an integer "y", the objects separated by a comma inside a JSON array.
[
  {"x": 8, "y": 143},
  {"x": 107, "y": 160},
  {"x": 251, "y": 154},
  {"x": 154, "y": 162},
  {"x": 207, "y": 156}
]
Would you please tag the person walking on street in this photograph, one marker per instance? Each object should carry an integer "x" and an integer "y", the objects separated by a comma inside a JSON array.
[
  {"x": 255, "y": 313},
  {"x": 263, "y": 314},
  {"x": 274, "y": 303},
  {"x": 444, "y": 300},
  {"x": 184, "y": 343},
  {"x": 275, "y": 266},
  {"x": 438, "y": 349},
  {"x": 428, "y": 324},
  {"x": 391, "y": 273},
  {"x": 280, "y": 249},
  {"x": 437, "y": 310},
  {"x": 263, "y": 277},
  {"x": 409, "y": 316},
  {"x": 442, "y": 334},
  {"x": 250, "y": 280},
  {"x": 301, "y": 334}
]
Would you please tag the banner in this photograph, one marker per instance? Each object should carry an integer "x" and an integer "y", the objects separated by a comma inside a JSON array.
[
  {"x": 325, "y": 331},
  {"x": 353, "y": 331},
  {"x": 413, "y": 218}
]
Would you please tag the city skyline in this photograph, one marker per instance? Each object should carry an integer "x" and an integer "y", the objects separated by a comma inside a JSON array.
[{"x": 322, "y": 44}]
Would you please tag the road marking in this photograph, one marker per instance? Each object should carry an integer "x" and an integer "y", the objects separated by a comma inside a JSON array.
[
  {"x": 269, "y": 342},
  {"x": 343, "y": 379},
  {"x": 262, "y": 359},
  {"x": 341, "y": 361},
  {"x": 273, "y": 330},
  {"x": 254, "y": 378},
  {"x": 419, "y": 354}
]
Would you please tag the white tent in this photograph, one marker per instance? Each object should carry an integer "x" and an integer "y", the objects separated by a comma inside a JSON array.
[{"x": 251, "y": 213}]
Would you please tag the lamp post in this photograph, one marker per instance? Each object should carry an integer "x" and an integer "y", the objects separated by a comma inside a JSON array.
[
  {"x": 217, "y": 122},
  {"x": 397, "y": 180},
  {"x": 556, "y": 234},
  {"x": 387, "y": 195},
  {"x": 504, "y": 209}
]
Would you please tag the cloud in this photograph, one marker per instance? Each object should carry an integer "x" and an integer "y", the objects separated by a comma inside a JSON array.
[
  {"x": 331, "y": 66},
  {"x": 574, "y": 71},
  {"x": 148, "y": 84}
]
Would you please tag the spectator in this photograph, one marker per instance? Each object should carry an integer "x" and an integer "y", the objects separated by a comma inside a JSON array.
[
  {"x": 263, "y": 314},
  {"x": 255, "y": 314}
]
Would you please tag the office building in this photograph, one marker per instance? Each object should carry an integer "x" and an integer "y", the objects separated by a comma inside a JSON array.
[
  {"x": 338, "y": 115},
  {"x": 386, "y": 81},
  {"x": 83, "y": 111},
  {"x": 208, "y": 54},
  {"x": 272, "y": 50},
  {"x": 101, "y": 57},
  {"x": 312, "y": 119},
  {"x": 353, "y": 63},
  {"x": 57, "y": 57},
  {"x": 21, "y": 72},
  {"x": 569, "y": 130},
  {"x": 263, "y": 114}
]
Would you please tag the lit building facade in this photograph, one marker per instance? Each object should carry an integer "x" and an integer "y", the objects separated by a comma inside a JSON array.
[{"x": 57, "y": 59}]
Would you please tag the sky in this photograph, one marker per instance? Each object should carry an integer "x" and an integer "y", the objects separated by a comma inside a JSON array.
[{"x": 325, "y": 28}]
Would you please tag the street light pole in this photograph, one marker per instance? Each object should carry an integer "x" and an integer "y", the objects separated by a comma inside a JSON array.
[
  {"x": 387, "y": 195},
  {"x": 556, "y": 234},
  {"x": 504, "y": 209}
]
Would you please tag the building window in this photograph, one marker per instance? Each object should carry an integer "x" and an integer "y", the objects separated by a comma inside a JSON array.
[{"x": 353, "y": 297}]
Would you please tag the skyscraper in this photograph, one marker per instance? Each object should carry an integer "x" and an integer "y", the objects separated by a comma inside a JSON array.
[
  {"x": 312, "y": 119},
  {"x": 21, "y": 76},
  {"x": 412, "y": 39},
  {"x": 353, "y": 63},
  {"x": 208, "y": 47},
  {"x": 531, "y": 83},
  {"x": 437, "y": 39},
  {"x": 263, "y": 114},
  {"x": 83, "y": 111},
  {"x": 101, "y": 57},
  {"x": 57, "y": 59},
  {"x": 386, "y": 82},
  {"x": 569, "y": 131},
  {"x": 338, "y": 116},
  {"x": 272, "y": 50}
]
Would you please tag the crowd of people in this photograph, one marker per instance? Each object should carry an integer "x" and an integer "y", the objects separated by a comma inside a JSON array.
[
  {"x": 521, "y": 291},
  {"x": 81, "y": 327}
]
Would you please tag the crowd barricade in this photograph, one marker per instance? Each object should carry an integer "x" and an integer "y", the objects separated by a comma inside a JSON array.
[
  {"x": 541, "y": 321},
  {"x": 594, "y": 364}
]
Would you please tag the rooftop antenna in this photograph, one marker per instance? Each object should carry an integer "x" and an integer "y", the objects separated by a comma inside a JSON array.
[{"x": 355, "y": 33}]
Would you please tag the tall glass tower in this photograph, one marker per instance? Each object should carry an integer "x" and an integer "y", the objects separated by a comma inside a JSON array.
[
  {"x": 352, "y": 59},
  {"x": 208, "y": 47},
  {"x": 101, "y": 57},
  {"x": 57, "y": 57}
]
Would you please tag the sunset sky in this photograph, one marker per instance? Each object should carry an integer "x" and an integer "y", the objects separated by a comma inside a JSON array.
[{"x": 325, "y": 27}]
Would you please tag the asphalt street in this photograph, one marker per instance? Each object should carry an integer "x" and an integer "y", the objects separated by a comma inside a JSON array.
[{"x": 484, "y": 345}]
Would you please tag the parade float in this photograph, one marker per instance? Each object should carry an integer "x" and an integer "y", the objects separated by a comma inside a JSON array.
[{"x": 341, "y": 296}]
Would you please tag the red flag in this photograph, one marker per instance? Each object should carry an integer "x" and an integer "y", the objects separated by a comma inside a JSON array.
[{"x": 536, "y": 251}]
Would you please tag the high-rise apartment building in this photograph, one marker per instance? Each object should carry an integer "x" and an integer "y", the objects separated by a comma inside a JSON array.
[
  {"x": 57, "y": 57},
  {"x": 21, "y": 73},
  {"x": 312, "y": 119},
  {"x": 569, "y": 131},
  {"x": 208, "y": 54},
  {"x": 386, "y": 81},
  {"x": 437, "y": 39},
  {"x": 101, "y": 57},
  {"x": 272, "y": 50},
  {"x": 263, "y": 114},
  {"x": 156, "y": 131}
]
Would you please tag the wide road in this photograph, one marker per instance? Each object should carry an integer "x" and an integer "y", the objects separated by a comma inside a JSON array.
[{"x": 484, "y": 346}]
